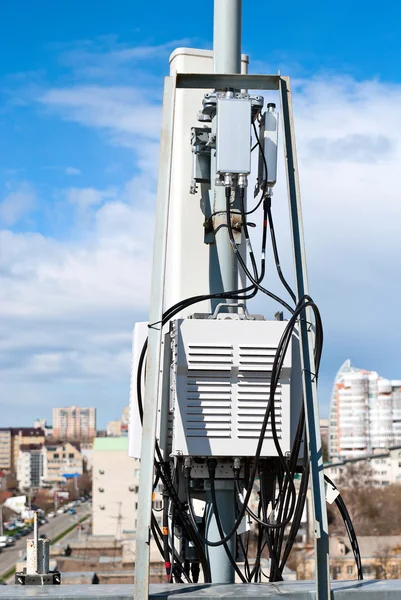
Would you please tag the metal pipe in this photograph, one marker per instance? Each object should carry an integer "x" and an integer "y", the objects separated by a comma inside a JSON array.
[
  {"x": 43, "y": 554},
  {"x": 153, "y": 362},
  {"x": 221, "y": 568},
  {"x": 227, "y": 36},
  {"x": 35, "y": 527},
  {"x": 226, "y": 59},
  {"x": 223, "y": 263},
  {"x": 306, "y": 346},
  {"x": 31, "y": 557}
]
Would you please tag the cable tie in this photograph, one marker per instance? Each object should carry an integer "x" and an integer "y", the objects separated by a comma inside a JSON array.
[
  {"x": 152, "y": 325},
  {"x": 309, "y": 324},
  {"x": 331, "y": 493},
  {"x": 313, "y": 375}
]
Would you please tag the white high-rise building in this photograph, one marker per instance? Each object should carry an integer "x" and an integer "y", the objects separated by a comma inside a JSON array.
[
  {"x": 74, "y": 423},
  {"x": 365, "y": 413}
]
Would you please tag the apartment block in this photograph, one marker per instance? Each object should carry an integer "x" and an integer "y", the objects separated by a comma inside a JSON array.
[
  {"x": 5, "y": 450},
  {"x": 119, "y": 427},
  {"x": 365, "y": 413},
  {"x": 74, "y": 423},
  {"x": 11, "y": 438},
  {"x": 384, "y": 467},
  {"x": 41, "y": 423},
  {"x": 30, "y": 466},
  {"x": 113, "y": 429},
  {"x": 61, "y": 460},
  {"x": 23, "y": 436},
  {"x": 114, "y": 513},
  {"x": 380, "y": 556}
]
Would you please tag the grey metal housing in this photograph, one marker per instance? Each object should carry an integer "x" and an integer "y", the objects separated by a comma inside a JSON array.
[{"x": 221, "y": 372}]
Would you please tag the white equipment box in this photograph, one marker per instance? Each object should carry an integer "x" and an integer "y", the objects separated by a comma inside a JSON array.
[
  {"x": 220, "y": 384},
  {"x": 164, "y": 422},
  {"x": 134, "y": 425}
]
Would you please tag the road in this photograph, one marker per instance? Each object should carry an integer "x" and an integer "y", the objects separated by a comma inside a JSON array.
[{"x": 52, "y": 529}]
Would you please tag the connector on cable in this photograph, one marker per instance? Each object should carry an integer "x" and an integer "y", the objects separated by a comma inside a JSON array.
[
  {"x": 212, "y": 466},
  {"x": 228, "y": 181},
  {"x": 195, "y": 570},
  {"x": 237, "y": 467},
  {"x": 187, "y": 467},
  {"x": 267, "y": 202}
]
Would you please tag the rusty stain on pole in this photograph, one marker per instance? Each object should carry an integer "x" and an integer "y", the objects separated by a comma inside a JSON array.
[{"x": 31, "y": 557}]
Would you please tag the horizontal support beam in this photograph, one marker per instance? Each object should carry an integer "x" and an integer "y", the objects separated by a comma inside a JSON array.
[
  {"x": 389, "y": 589},
  {"x": 207, "y": 81}
]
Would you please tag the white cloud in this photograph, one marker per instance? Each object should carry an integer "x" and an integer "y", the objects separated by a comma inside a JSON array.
[
  {"x": 88, "y": 197},
  {"x": 106, "y": 59},
  {"x": 67, "y": 306},
  {"x": 72, "y": 171},
  {"x": 123, "y": 112},
  {"x": 106, "y": 270},
  {"x": 17, "y": 204}
]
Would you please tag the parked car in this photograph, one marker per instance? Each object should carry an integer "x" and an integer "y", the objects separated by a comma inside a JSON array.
[
  {"x": 60, "y": 511},
  {"x": 51, "y": 515},
  {"x": 10, "y": 540},
  {"x": 72, "y": 511},
  {"x": 3, "y": 541}
]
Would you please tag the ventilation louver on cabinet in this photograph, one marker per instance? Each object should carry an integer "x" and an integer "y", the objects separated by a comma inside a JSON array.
[
  {"x": 252, "y": 399},
  {"x": 208, "y": 410},
  {"x": 221, "y": 385}
]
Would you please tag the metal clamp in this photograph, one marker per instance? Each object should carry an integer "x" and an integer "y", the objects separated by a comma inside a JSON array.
[{"x": 222, "y": 305}]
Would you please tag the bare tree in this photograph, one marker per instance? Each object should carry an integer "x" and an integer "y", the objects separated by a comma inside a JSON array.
[
  {"x": 356, "y": 475},
  {"x": 85, "y": 482},
  {"x": 384, "y": 557}
]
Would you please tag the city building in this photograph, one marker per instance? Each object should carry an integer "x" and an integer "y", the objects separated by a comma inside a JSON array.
[
  {"x": 30, "y": 466},
  {"x": 87, "y": 452},
  {"x": 384, "y": 467},
  {"x": 365, "y": 413},
  {"x": 11, "y": 438},
  {"x": 114, "y": 513},
  {"x": 41, "y": 423},
  {"x": 74, "y": 423},
  {"x": 380, "y": 556},
  {"x": 5, "y": 450},
  {"x": 113, "y": 429},
  {"x": 61, "y": 461},
  {"x": 120, "y": 426},
  {"x": 125, "y": 421}
]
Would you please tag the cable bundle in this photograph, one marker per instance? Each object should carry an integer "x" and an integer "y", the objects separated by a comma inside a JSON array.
[{"x": 280, "y": 507}]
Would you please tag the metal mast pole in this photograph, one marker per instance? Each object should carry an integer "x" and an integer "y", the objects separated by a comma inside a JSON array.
[
  {"x": 226, "y": 59},
  {"x": 307, "y": 360},
  {"x": 150, "y": 405},
  {"x": 227, "y": 36},
  {"x": 223, "y": 271}
]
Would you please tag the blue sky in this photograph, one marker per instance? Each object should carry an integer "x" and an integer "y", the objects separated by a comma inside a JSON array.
[{"x": 80, "y": 92}]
